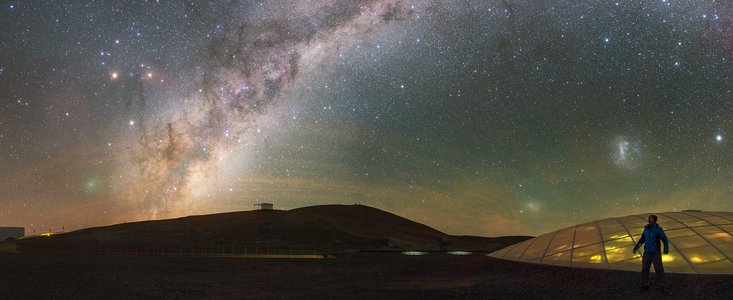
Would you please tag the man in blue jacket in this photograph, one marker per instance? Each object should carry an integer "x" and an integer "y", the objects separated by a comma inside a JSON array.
[{"x": 651, "y": 237}]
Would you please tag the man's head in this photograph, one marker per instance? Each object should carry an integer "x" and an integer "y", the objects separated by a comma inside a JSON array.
[{"x": 652, "y": 219}]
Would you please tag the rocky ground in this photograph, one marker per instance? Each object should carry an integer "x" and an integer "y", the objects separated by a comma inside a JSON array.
[{"x": 356, "y": 276}]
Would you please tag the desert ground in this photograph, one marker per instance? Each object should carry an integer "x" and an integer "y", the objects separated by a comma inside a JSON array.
[{"x": 360, "y": 275}]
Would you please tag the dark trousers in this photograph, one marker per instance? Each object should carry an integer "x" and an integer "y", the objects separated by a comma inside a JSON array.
[{"x": 646, "y": 263}]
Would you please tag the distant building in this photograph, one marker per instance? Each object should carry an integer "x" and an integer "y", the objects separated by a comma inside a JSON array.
[
  {"x": 11, "y": 232},
  {"x": 264, "y": 206}
]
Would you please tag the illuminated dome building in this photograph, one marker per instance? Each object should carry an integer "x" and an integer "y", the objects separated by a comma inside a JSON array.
[{"x": 699, "y": 242}]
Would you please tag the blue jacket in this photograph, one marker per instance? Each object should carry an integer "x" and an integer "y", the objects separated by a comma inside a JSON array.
[{"x": 651, "y": 236}]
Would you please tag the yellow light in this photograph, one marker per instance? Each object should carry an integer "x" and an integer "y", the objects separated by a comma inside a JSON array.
[
  {"x": 667, "y": 258},
  {"x": 596, "y": 258},
  {"x": 414, "y": 253},
  {"x": 696, "y": 259},
  {"x": 563, "y": 246}
]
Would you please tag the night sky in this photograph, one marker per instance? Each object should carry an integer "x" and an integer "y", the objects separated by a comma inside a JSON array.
[{"x": 474, "y": 117}]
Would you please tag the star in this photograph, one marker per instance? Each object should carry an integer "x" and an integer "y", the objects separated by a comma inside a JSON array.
[{"x": 719, "y": 138}]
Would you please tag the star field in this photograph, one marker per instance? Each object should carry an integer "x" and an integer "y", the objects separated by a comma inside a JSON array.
[{"x": 479, "y": 117}]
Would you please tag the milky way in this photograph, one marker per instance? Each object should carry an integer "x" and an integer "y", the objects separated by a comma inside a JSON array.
[
  {"x": 474, "y": 117},
  {"x": 243, "y": 72}
]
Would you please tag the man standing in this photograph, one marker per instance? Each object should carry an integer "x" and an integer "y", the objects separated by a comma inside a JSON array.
[{"x": 651, "y": 237}]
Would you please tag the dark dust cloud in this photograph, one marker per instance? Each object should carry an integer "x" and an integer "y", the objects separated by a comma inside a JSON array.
[{"x": 473, "y": 117}]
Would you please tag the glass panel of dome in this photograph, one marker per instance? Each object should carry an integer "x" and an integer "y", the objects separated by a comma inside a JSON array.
[
  {"x": 714, "y": 235},
  {"x": 674, "y": 262},
  {"x": 630, "y": 262},
  {"x": 586, "y": 234},
  {"x": 589, "y": 256},
  {"x": 702, "y": 255},
  {"x": 713, "y": 219},
  {"x": 679, "y": 233},
  {"x": 619, "y": 249},
  {"x": 667, "y": 223},
  {"x": 720, "y": 238},
  {"x": 562, "y": 241},
  {"x": 688, "y": 220},
  {"x": 688, "y": 242},
  {"x": 726, "y": 248},
  {"x": 587, "y": 250},
  {"x": 726, "y": 215},
  {"x": 708, "y": 230},
  {"x": 501, "y": 253},
  {"x": 630, "y": 222},
  {"x": 721, "y": 267},
  {"x": 612, "y": 229},
  {"x": 561, "y": 258},
  {"x": 518, "y": 250},
  {"x": 635, "y": 225},
  {"x": 727, "y": 228},
  {"x": 538, "y": 248}
]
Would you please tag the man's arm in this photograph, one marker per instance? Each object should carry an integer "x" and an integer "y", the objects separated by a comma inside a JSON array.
[
  {"x": 641, "y": 241},
  {"x": 663, "y": 237}
]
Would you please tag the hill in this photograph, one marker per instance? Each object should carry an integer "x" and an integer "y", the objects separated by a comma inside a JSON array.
[{"x": 316, "y": 228}]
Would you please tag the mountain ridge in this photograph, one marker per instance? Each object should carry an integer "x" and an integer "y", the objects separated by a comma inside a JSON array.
[{"x": 323, "y": 228}]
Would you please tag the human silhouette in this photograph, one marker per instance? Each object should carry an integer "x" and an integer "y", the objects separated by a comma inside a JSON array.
[{"x": 651, "y": 237}]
